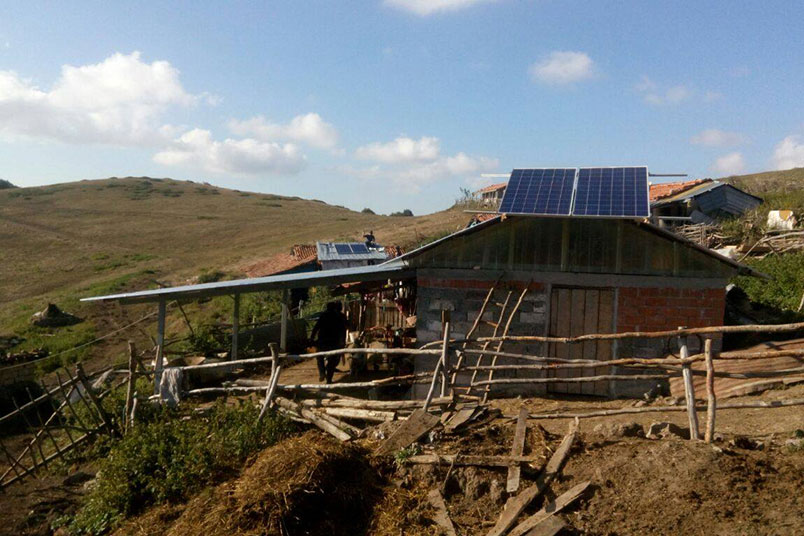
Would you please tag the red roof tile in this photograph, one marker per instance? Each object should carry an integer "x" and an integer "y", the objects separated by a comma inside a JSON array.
[
  {"x": 492, "y": 188},
  {"x": 666, "y": 189}
]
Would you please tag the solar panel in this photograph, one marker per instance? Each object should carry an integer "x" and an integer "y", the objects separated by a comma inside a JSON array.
[
  {"x": 539, "y": 191},
  {"x": 616, "y": 191},
  {"x": 359, "y": 249},
  {"x": 343, "y": 249}
]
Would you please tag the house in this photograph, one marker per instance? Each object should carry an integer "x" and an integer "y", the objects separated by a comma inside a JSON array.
[
  {"x": 333, "y": 255},
  {"x": 698, "y": 201},
  {"x": 570, "y": 275},
  {"x": 491, "y": 195}
]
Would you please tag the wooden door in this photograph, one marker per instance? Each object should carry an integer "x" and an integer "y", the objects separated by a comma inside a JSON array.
[{"x": 580, "y": 311}]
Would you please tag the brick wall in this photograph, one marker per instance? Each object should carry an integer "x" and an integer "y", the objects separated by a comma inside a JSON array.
[
  {"x": 656, "y": 309},
  {"x": 660, "y": 309}
]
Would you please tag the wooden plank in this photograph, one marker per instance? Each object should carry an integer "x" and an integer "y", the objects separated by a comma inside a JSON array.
[
  {"x": 442, "y": 516},
  {"x": 472, "y": 460},
  {"x": 605, "y": 318},
  {"x": 419, "y": 423},
  {"x": 562, "y": 330},
  {"x": 549, "y": 510},
  {"x": 549, "y": 527},
  {"x": 460, "y": 417},
  {"x": 577, "y": 318},
  {"x": 515, "y": 505},
  {"x": 590, "y": 325},
  {"x": 512, "y": 484},
  {"x": 315, "y": 418}
]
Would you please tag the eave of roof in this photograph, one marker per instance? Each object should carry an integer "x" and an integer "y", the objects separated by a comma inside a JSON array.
[{"x": 393, "y": 270}]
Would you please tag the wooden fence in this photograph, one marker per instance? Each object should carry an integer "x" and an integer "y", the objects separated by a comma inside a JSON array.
[
  {"x": 61, "y": 419},
  {"x": 454, "y": 357}
]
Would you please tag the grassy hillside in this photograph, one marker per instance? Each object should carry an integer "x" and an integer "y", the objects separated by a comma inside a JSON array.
[{"x": 67, "y": 241}]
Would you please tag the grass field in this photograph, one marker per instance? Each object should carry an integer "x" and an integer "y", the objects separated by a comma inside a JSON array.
[{"x": 62, "y": 242}]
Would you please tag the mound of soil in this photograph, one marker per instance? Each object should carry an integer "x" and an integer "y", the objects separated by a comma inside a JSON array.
[
  {"x": 684, "y": 487},
  {"x": 304, "y": 485}
]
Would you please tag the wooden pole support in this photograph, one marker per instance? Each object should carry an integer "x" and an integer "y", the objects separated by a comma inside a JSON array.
[
  {"x": 711, "y": 399},
  {"x": 160, "y": 346},
  {"x": 438, "y": 368},
  {"x": 132, "y": 378},
  {"x": 689, "y": 391}
]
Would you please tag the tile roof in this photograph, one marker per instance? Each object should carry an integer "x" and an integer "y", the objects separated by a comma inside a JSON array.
[
  {"x": 300, "y": 254},
  {"x": 666, "y": 189},
  {"x": 492, "y": 188}
]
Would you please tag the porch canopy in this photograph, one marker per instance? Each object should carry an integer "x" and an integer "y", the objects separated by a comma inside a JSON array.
[{"x": 395, "y": 270}]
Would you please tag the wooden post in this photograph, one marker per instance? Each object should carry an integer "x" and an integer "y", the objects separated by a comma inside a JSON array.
[
  {"x": 283, "y": 329},
  {"x": 710, "y": 392},
  {"x": 439, "y": 366},
  {"x": 689, "y": 391},
  {"x": 132, "y": 378},
  {"x": 565, "y": 244},
  {"x": 235, "y": 327},
  {"x": 274, "y": 348},
  {"x": 445, "y": 319},
  {"x": 133, "y": 415},
  {"x": 160, "y": 345}
]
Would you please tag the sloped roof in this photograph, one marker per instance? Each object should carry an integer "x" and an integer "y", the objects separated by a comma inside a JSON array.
[
  {"x": 299, "y": 255},
  {"x": 666, "y": 189},
  {"x": 492, "y": 188}
]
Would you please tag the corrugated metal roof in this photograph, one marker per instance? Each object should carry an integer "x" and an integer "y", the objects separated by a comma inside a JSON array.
[
  {"x": 393, "y": 270},
  {"x": 328, "y": 251}
]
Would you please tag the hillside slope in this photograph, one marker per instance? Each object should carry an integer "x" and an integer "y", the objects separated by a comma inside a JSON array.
[
  {"x": 71, "y": 240},
  {"x": 770, "y": 182}
]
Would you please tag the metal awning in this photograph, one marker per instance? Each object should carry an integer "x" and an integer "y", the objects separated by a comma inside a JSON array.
[{"x": 397, "y": 270}]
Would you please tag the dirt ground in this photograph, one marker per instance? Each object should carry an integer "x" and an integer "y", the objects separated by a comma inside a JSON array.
[{"x": 747, "y": 482}]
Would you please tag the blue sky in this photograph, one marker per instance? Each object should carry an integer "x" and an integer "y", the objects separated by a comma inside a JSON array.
[{"x": 394, "y": 104}]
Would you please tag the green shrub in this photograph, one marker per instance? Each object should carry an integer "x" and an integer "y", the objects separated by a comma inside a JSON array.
[
  {"x": 171, "y": 459},
  {"x": 786, "y": 286}
]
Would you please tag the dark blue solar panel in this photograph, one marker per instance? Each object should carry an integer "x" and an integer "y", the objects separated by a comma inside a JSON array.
[
  {"x": 359, "y": 249},
  {"x": 343, "y": 249},
  {"x": 618, "y": 192},
  {"x": 539, "y": 191}
]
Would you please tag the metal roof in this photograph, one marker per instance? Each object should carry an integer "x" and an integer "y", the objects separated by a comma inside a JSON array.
[
  {"x": 328, "y": 251},
  {"x": 697, "y": 190},
  {"x": 394, "y": 270}
]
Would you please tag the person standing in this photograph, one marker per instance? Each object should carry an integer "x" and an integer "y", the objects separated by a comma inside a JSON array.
[{"x": 329, "y": 333}]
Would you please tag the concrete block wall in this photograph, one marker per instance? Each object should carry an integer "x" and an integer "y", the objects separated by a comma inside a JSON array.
[{"x": 464, "y": 299}]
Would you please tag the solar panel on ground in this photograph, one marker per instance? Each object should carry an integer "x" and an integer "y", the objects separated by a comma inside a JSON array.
[
  {"x": 539, "y": 191},
  {"x": 616, "y": 191}
]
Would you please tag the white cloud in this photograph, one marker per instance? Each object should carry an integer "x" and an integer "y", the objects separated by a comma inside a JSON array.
[
  {"x": 789, "y": 153},
  {"x": 730, "y": 164},
  {"x": 309, "y": 128},
  {"x": 714, "y": 137},
  {"x": 424, "y": 8},
  {"x": 652, "y": 93},
  {"x": 402, "y": 149},
  {"x": 121, "y": 100},
  {"x": 246, "y": 157},
  {"x": 410, "y": 164},
  {"x": 563, "y": 67}
]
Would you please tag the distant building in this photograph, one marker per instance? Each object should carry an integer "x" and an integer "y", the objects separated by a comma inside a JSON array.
[
  {"x": 698, "y": 201},
  {"x": 491, "y": 195}
]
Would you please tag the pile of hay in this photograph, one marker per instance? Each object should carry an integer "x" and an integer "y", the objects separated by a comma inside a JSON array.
[{"x": 304, "y": 485}]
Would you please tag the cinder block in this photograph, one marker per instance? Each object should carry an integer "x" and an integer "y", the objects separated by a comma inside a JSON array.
[{"x": 531, "y": 318}]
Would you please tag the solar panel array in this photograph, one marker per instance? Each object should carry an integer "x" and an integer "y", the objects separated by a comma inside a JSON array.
[
  {"x": 605, "y": 192},
  {"x": 352, "y": 248}
]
